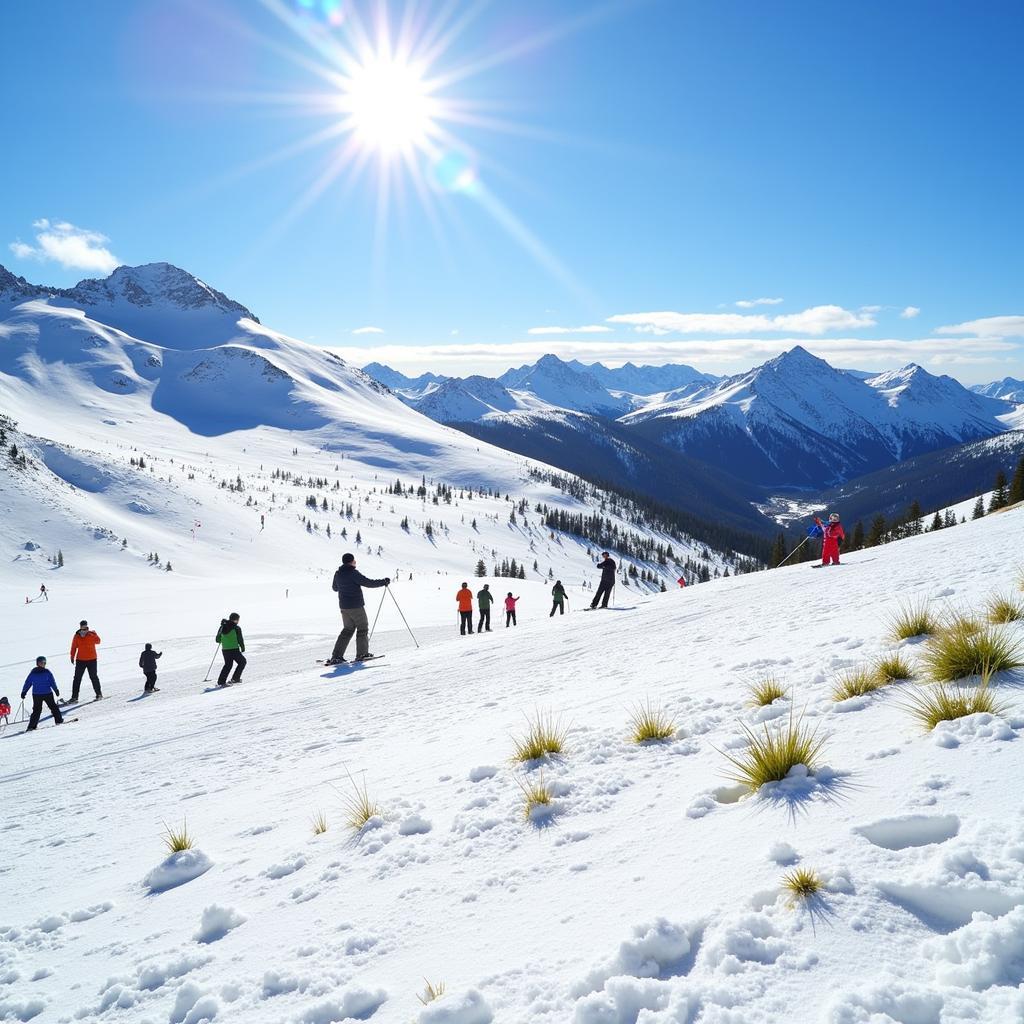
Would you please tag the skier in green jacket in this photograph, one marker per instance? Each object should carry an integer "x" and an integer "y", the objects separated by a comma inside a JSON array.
[
  {"x": 232, "y": 644},
  {"x": 484, "y": 600},
  {"x": 558, "y": 598}
]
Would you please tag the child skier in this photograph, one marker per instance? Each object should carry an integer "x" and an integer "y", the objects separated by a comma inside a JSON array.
[
  {"x": 510, "y": 610},
  {"x": 147, "y": 662},
  {"x": 558, "y": 598},
  {"x": 43, "y": 686},
  {"x": 831, "y": 535}
]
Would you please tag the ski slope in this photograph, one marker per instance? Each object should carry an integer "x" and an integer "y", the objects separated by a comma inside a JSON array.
[{"x": 649, "y": 894}]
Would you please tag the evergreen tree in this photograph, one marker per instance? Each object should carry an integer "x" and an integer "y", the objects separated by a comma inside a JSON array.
[
  {"x": 858, "y": 536},
  {"x": 522, "y": 572},
  {"x": 936, "y": 522},
  {"x": 999, "y": 493},
  {"x": 481, "y": 569},
  {"x": 979, "y": 508},
  {"x": 60, "y": 558},
  {"x": 778, "y": 550},
  {"x": 877, "y": 532},
  {"x": 1017, "y": 486}
]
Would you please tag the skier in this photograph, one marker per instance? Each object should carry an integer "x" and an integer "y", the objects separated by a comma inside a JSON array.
[
  {"x": 147, "y": 662},
  {"x": 484, "y": 600},
  {"x": 465, "y": 601},
  {"x": 83, "y": 657},
  {"x": 604, "y": 590},
  {"x": 510, "y": 610},
  {"x": 43, "y": 686},
  {"x": 681, "y": 581},
  {"x": 558, "y": 598},
  {"x": 348, "y": 585},
  {"x": 43, "y": 592},
  {"x": 5, "y": 710},
  {"x": 832, "y": 534},
  {"x": 232, "y": 646}
]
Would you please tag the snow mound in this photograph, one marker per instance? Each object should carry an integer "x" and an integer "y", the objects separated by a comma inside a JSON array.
[
  {"x": 360, "y": 1003},
  {"x": 217, "y": 922},
  {"x": 179, "y": 868},
  {"x": 468, "y": 1008}
]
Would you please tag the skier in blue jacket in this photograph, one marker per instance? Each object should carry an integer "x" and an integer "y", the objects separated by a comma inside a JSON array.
[{"x": 43, "y": 686}]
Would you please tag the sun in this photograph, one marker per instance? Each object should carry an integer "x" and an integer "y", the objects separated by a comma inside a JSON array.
[{"x": 389, "y": 105}]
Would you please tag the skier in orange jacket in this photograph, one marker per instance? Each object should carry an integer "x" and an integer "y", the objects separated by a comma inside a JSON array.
[
  {"x": 465, "y": 600},
  {"x": 83, "y": 657}
]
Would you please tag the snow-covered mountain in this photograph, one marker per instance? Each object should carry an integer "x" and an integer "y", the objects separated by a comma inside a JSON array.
[
  {"x": 556, "y": 382},
  {"x": 1009, "y": 388},
  {"x": 644, "y": 380},
  {"x": 795, "y": 420},
  {"x": 414, "y": 386}
]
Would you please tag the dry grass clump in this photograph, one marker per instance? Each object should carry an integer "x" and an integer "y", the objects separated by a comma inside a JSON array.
[
  {"x": 178, "y": 839},
  {"x": 765, "y": 691},
  {"x": 856, "y": 682},
  {"x": 802, "y": 883},
  {"x": 772, "y": 752},
  {"x": 893, "y": 668},
  {"x": 960, "y": 653},
  {"x": 544, "y": 736},
  {"x": 1004, "y": 608},
  {"x": 537, "y": 793},
  {"x": 959, "y": 621},
  {"x": 319, "y": 822},
  {"x": 649, "y": 723},
  {"x": 359, "y": 806},
  {"x": 912, "y": 619},
  {"x": 434, "y": 990},
  {"x": 944, "y": 703}
]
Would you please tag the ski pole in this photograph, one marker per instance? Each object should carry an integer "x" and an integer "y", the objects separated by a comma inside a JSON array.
[
  {"x": 376, "y": 617},
  {"x": 400, "y": 612},
  {"x": 210, "y": 669},
  {"x": 793, "y": 552}
]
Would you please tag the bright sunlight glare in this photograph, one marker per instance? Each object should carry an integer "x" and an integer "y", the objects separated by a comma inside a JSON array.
[{"x": 388, "y": 104}]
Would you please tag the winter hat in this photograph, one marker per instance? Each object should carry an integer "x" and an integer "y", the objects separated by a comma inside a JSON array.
[
  {"x": 149, "y": 647},
  {"x": 41, "y": 658},
  {"x": 234, "y": 617},
  {"x": 348, "y": 558},
  {"x": 464, "y": 584},
  {"x": 83, "y": 624}
]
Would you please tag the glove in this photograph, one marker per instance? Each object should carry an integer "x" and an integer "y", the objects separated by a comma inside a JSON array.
[{"x": 387, "y": 581}]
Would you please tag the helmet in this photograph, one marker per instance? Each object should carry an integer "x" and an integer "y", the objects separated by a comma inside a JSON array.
[{"x": 834, "y": 518}]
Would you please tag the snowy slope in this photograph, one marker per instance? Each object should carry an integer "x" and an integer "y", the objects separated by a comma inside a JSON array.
[
  {"x": 649, "y": 893},
  {"x": 797, "y": 421}
]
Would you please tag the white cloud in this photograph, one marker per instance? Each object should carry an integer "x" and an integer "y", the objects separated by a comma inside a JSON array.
[
  {"x": 368, "y": 330},
  {"x": 870, "y": 309},
  {"x": 909, "y": 312},
  {"x": 587, "y": 329},
  {"x": 750, "y": 303},
  {"x": 816, "y": 320},
  {"x": 989, "y": 327},
  {"x": 72, "y": 247}
]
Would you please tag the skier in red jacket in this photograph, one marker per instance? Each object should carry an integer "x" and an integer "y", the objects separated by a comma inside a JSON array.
[{"x": 831, "y": 535}]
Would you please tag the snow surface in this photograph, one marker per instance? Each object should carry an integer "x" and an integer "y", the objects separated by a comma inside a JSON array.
[{"x": 651, "y": 895}]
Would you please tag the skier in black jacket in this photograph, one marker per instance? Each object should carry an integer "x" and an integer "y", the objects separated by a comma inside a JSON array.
[
  {"x": 147, "y": 662},
  {"x": 348, "y": 584},
  {"x": 604, "y": 589}
]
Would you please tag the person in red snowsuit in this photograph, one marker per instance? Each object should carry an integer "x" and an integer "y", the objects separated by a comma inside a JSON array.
[{"x": 831, "y": 535}]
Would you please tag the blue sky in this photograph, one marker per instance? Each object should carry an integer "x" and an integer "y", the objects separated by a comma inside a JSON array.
[{"x": 636, "y": 169}]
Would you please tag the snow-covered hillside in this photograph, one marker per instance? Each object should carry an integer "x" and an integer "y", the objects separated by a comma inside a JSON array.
[{"x": 649, "y": 891}]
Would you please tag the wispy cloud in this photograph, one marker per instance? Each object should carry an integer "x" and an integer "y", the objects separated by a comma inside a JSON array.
[
  {"x": 722, "y": 354},
  {"x": 816, "y": 320},
  {"x": 72, "y": 247},
  {"x": 988, "y": 327},
  {"x": 587, "y": 329},
  {"x": 368, "y": 330},
  {"x": 909, "y": 312},
  {"x": 751, "y": 303}
]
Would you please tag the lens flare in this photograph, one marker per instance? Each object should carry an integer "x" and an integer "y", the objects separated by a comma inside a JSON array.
[{"x": 453, "y": 172}]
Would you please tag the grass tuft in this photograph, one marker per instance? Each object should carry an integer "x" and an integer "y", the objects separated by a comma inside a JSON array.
[
  {"x": 944, "y": 703},
  {"x": 544, "y": 736},
  {"x": 536, "y": 793},
  {"x": 959, "y": 621},
  {"x": 912, "y": 619},
  {"x": 765, "y": 691},
  {"x": 359, "y": 806},
  {"x": 319, "y": 823},
  {"x": 178, "y": 839},
  {"x": 893, "y": 668},
  {"x": 771, "y": 753},
  {"x": 959, "y": 653},
  {"x": 651, "y": 723},
  {"x": 1003, "y": 608},
  {"x": 856, "y": 682},
  {"x": 802, "y": 883},
  {"x": 434, "y": 990}
]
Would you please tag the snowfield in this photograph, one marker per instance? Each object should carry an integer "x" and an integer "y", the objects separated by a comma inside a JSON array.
[{"x": 650, "y": 891}]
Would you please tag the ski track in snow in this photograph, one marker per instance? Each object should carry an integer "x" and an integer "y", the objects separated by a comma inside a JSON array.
[{"x": 650, "y": 894}]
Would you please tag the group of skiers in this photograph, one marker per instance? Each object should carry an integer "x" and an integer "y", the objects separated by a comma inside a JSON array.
[{"x": 484, "y": 599}]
